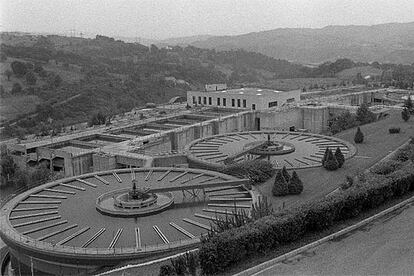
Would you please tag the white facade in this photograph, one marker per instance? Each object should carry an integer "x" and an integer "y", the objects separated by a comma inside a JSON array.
[{"x": 243, "y": 98}]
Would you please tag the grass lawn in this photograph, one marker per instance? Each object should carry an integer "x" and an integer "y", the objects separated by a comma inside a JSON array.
[{"x": 377, "y": 144}]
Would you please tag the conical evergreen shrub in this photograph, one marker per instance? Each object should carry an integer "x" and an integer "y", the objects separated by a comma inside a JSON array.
[
  {"x": 295, "y": 184},
  {"x": 331, "y": 163},
  {"x": 405, "y": 114},
  {"x": 339, "y": 157},
  {"x": 285, "y": 174},
  {"x": 359, "y": 136},
  {"x": 280, "y": 187},
  {"x": 325, "y": 156}
]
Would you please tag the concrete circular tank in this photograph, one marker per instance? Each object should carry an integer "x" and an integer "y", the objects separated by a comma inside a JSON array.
[
  {"x": 56, "y": 228},
  {"x": 294, "y": 150}
]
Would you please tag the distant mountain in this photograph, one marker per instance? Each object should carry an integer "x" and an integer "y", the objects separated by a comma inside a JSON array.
[
  {"x": 393, "y": 43},
  {"x": 180, "y": 41}
]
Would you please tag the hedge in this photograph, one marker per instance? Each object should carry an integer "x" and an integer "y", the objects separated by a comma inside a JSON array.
[
  {"x": 228, "y": 248},
  {"x": 256, "y": 170}
]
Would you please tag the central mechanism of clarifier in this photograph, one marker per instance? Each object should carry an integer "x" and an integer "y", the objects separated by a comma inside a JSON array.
[
  {"x": 133, "y": 201},
  {"x": 136, "y": 198},
  {"x": 269, "y": 147}
]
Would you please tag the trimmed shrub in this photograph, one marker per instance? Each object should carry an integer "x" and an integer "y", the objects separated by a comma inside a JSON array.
[
  {"x": 386, "y": 167},
  {"x": 280, "y": 187},
  {"x": 331, "y": 163},
  {"x": 405, "y": 114},
  {"x": 393, "y": 130},
  {"x": 295, "y": 184},
  {"x": 359, "y": 136},
  {"x": 405, "y": 154},
  {"x": 285, "y": 174},
  {"x": 339, "y": 157},
  {"x": 408, "y": 103}
]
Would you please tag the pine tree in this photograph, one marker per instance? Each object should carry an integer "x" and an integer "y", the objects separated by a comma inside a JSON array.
[
  {"x": 405, "y": 114},
  {"x": 285, "y": 174},
  {"x": 331, "y": 163},
  {"x": 295, "y": 184},
  {"x": 339, "y": 157},
  {"x": 359, "y": 136},
  {"x": 280, "y": 187}
]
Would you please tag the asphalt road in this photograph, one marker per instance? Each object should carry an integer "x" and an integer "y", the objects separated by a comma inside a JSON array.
[{"x": 385, "y": 247}]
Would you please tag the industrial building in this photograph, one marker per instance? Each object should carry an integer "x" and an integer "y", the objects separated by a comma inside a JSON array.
[
  {"x": 160, "y": 141},
  {"x": 241, "y": 98}
]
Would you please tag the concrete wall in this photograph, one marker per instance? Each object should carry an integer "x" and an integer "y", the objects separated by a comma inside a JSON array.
[
  {"x": 315, "y": 118},
  {"x": 103, "y": 162},
  {"x": 236, "y": 122},
  {"x": 130, "y": 161},
  {"x": 82, "y": 164},
  {"x": 281, "y": 119},
  {"x": 170, "y": 161}
]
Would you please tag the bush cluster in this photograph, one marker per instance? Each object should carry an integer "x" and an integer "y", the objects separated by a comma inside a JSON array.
[
  {"x": 11, "y": 175},
  {"x": 225, "y": 249},
  {"x": 238, "y": 218},
  {"x": 287, "y": 185},
  {"x": 346, "y": 120},
  {"x": 393, "y": 130},
  {"x": 331, "y": 161},
  {"x": 182, "y": 265},
  {"x": 256, "y": 170}
]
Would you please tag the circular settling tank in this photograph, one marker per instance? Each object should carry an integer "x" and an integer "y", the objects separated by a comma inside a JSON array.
[
  {"x": 294, "y": 150},
  {"x": 81, "y": 224}
]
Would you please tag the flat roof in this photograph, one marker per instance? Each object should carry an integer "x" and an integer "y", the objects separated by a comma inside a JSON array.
[{"x": 260, "y": 92}]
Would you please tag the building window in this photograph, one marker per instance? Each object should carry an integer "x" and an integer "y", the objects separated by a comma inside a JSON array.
[
  {"x": 218, "y": 101},
  {"x": 205, "y": 100},
  {"x": 209, "y": 101},
  {"x": 199, "y": 100},
  {"x": 224, "y": 101},
  {"x": 272, "y": 104},
  {"x": 244, "y": 103},
  {"x": 254, "y": 106},
  {"x": 238, "y": 103},
  {"x": 233, "y": 102},
  {"x": 290, "y": 100},
  {"x": 194, "y": 100}
]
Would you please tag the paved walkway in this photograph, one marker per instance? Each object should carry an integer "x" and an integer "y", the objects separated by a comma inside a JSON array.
[{"x": 385, "y": 247}]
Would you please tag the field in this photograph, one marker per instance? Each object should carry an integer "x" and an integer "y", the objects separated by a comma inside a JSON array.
[
  {"x": 13, "y": 106},
  {"x": 319, "y": 181}
]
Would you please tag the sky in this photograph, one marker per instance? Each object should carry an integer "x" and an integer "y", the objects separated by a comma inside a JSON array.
[{"x": 160, "y": 19}]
